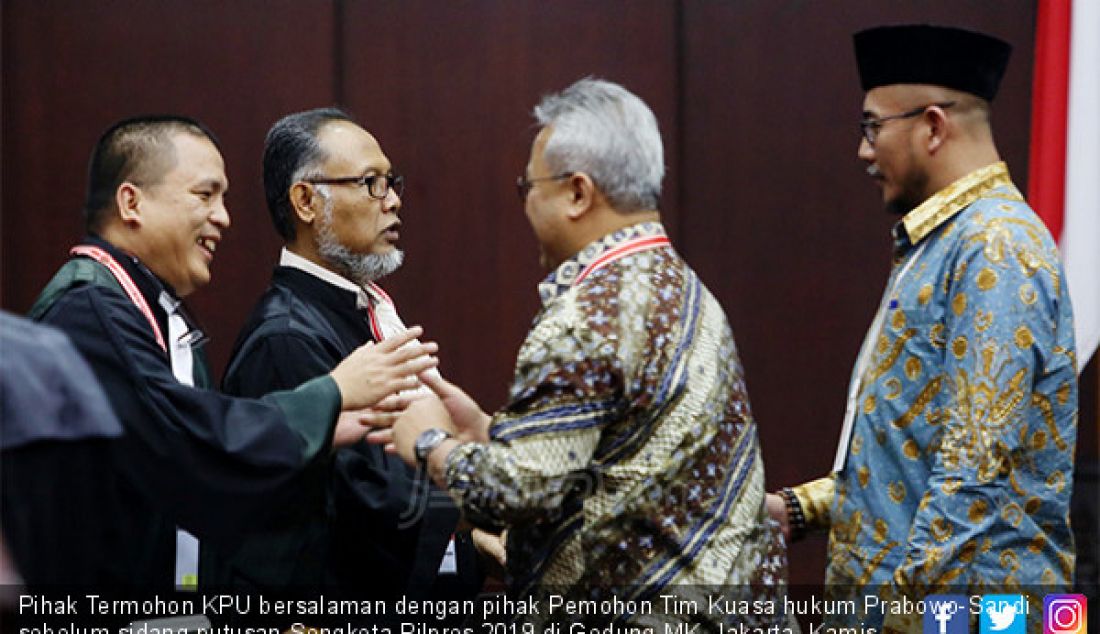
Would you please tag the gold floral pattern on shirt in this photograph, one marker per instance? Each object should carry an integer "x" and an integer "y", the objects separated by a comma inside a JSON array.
[{"x": 968, "y": 473}]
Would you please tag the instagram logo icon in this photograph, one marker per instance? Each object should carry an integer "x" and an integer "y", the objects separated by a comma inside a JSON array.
[{"x": 1065, "y": 614}]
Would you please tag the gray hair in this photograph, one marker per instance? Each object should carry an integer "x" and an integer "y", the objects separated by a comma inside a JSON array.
[{"x": 607, "y": 132}]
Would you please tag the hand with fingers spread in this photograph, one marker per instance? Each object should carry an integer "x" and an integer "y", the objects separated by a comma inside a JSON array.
[
  {"x": 349, "y": 430},
  {"x": 353, "y": 426},
  {"x": 385, "y": 413},
  {"x": 375, "y": 371}
]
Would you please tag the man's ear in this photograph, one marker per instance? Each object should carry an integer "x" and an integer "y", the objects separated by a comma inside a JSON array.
[
  {"x": 938, "y": 128},
  {"x": 128, "y": 198},
  {"x": 305, "y": 201},
  {"x": 582, "y": 194}
]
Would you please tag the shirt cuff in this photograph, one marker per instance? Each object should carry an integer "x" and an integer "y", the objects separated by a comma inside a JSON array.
[{"x": 815, "y": 498}]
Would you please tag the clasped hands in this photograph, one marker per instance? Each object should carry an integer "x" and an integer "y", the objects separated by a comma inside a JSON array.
[
  {"x": 443, "y": 406},
  {"x": 381, "y": 385},
  {"x": 399, "y": 418},
  {"x": 375, "y": 378}
]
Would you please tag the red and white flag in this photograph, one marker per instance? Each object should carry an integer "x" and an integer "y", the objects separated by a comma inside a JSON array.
[{"x": 1064, "y": 177}]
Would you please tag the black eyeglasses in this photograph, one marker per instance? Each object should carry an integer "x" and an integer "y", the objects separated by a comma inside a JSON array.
[
  {"x": 869, "y": 126},
  {"x": 377, "y": 185},
  {"x": 524, "y": 184}
]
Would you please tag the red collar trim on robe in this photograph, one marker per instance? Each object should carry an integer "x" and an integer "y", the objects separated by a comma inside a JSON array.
[
  {"x": 375, "y": 327},
  {"x": 128, "y": 285}
]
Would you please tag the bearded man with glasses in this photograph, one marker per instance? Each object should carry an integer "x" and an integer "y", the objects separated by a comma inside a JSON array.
[
  {"x": 377, "y": 532},
  {"x": 955, "y": 462}
]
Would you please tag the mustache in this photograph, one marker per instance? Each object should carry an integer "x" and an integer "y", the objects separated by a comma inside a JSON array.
[{"x": 872, "y": 171}]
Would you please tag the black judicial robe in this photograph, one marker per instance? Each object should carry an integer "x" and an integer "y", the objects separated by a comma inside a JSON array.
[
  {"x": 56, "y": 431},
  {"x": 301, "y": 328},
  {"x": 192, "y": 457}
]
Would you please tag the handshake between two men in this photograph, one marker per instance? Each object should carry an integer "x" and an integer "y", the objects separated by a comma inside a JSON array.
[
  {"x": 394, "y": 390},
  {"x": 378, "y": 380}
]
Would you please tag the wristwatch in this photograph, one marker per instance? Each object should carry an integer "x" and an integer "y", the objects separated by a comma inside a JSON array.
[{"x": 428, "y": 440}]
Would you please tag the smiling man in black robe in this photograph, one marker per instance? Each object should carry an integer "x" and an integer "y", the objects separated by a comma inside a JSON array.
[
  {"x": 191, "y": 458},
  {"x": 334, "y": 198}
]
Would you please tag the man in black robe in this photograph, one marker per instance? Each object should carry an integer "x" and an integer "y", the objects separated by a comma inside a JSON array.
[
  {"x": 189, "y": 458},
  {"x": 381, "y": 531}
]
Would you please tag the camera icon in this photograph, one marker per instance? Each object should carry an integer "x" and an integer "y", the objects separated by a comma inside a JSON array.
[{"x": 1064, "y": 614}]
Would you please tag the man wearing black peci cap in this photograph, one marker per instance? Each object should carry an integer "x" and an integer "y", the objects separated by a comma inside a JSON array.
[{"x": 955, "y": 462}]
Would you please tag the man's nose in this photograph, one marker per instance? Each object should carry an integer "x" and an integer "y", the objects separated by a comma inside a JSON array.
[
  {"x": 220, "y": 217},
  {"x": 866, "y": 151},
  {"x": 392, "y": 202}
]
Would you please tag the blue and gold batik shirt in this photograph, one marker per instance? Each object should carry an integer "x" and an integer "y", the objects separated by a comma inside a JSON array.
[{"x": 960, "y": 465}]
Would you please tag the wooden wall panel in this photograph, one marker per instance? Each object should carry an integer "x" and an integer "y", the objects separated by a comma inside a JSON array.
[
  {"x": 779, "y": 217},
  {"x": 448, "y": 88},
  {"x": 73, "y": 68}
]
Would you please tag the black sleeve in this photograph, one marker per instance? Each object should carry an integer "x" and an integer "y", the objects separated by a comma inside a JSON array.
[
  {"x": 210, "y": 462},
  {"x": 276, "y": 361}
]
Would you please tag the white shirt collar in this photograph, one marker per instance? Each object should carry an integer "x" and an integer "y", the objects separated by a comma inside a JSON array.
[
  {"x": 295, "y": 261},
  {"x": 367, "y": 296},
  {"x": 384, "y": 319}
]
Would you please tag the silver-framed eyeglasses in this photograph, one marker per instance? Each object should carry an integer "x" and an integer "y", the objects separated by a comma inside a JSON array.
[{"x": 869, "y": 126}]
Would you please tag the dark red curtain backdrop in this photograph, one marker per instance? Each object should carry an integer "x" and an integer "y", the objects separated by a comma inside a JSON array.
[{"x": 757, "y": 100}]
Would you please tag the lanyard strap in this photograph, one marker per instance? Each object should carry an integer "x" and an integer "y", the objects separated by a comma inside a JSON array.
[
  {"x": 128, "y": 285},
  {"x": 855, "y": 386},
  {"x": 627, "y": 248}
]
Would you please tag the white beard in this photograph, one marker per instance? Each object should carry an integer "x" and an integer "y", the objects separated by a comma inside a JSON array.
[{"x": 359, "y": 268}]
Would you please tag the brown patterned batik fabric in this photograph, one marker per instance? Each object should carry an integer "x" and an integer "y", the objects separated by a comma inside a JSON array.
[{"x": 627, "y": 457}]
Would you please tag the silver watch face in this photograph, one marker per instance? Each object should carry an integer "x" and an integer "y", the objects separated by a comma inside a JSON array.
[{"x": 428, "y": 440}]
